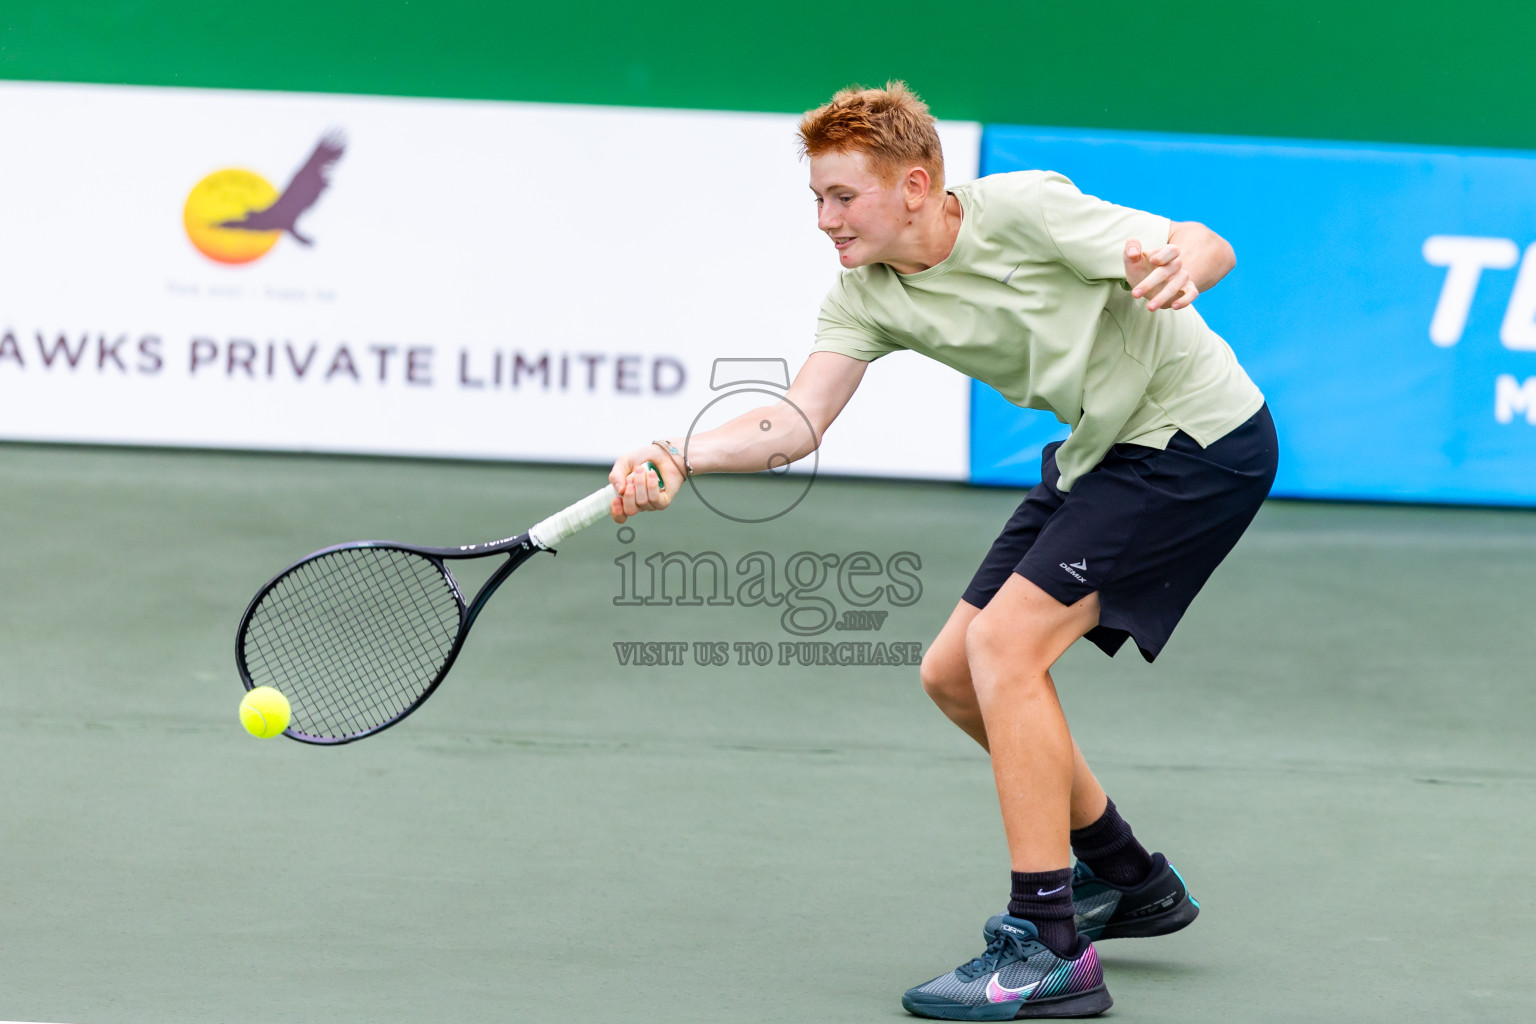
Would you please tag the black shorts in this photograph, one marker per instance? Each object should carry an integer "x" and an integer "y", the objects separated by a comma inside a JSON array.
[{"x": 1145, "y": 528}]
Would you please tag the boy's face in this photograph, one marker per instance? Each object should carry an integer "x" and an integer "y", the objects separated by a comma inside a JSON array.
[{"x": 862, "y": 216}]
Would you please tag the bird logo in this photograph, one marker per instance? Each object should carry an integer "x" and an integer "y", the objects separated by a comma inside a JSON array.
[{"x": 235, "y": 215}]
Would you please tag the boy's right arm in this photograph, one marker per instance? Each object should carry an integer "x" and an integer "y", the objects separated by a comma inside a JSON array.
[{"x": 821, "y": 389}]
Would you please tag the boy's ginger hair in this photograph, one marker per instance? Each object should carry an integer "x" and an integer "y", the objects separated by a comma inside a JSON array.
[{"x": 891, "y": 127}]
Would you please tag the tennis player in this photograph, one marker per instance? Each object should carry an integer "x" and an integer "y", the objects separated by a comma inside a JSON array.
[{"x": 1070, "y": 304}]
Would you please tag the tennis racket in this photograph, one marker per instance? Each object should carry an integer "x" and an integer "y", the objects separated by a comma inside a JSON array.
[{"x": 359, "y": 635}]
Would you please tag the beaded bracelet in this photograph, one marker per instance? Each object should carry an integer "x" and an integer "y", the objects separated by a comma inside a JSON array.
[{"x": 671, "y": 449}]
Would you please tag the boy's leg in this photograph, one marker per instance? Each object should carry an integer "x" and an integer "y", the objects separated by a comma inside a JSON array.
[
  {"x": 946, "y": 677},
  {"x": 1010, "y": 648},
  {"x": 1035, "y": 964},
  {"x": 1100, "y": 837}
]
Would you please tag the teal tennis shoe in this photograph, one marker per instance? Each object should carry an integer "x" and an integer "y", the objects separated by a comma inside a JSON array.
[
  {"x": 1104, "y": 910},
  {"x": 1015, "y": 978}
]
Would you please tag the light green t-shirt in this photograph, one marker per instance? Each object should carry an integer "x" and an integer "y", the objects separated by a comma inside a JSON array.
[{"x": 1033, "y": 301}]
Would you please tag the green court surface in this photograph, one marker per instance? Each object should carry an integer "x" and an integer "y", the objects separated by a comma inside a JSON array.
[{"x": 1336, "y": 750}]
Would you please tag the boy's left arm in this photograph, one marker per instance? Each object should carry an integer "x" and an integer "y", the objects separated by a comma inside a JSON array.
[{"x": 1171, "y": 276}]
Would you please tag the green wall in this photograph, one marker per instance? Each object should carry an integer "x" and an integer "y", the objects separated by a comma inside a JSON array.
[{"x": 1411, "y": 71}]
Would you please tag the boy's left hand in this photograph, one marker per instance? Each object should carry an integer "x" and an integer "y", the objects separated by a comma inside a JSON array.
[{"x": 1158, "y": 276}]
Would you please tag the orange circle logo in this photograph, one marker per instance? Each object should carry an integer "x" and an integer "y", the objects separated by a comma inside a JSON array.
[{"x": 218, "y": 202}]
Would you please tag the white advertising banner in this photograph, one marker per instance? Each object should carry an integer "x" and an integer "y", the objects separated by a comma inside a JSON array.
[{"x": 422, "y": 277}]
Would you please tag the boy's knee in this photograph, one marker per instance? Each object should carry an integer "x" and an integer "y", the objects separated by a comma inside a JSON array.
[
  {"x": 941, "y": 680},
  {"x": 993, "y": 641}
]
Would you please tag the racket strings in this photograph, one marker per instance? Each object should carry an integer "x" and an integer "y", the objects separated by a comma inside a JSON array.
[{"x": 354, "y": 638}]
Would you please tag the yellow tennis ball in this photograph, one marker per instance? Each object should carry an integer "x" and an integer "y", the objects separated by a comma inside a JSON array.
[{"x": 264, "y": 712}]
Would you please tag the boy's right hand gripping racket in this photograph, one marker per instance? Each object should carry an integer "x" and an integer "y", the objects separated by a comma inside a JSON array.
[{"x": 357, "y": 636}]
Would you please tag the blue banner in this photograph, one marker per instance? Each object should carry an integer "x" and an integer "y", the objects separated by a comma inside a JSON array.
[{"x": 1384, "y": 300}]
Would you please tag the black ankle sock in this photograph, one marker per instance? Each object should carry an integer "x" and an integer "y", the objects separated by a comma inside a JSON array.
[
  {"x": 1044, "y": 898},
  {"x": 1111, "y": 851}
]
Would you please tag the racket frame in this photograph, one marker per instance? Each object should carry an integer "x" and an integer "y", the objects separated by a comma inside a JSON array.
[
  {"x": 542, "y": 536},
  {"x": 517, "y": 549}
]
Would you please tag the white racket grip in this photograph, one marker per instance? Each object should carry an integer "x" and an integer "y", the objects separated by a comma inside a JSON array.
[{"x": 573, "y": 519}]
